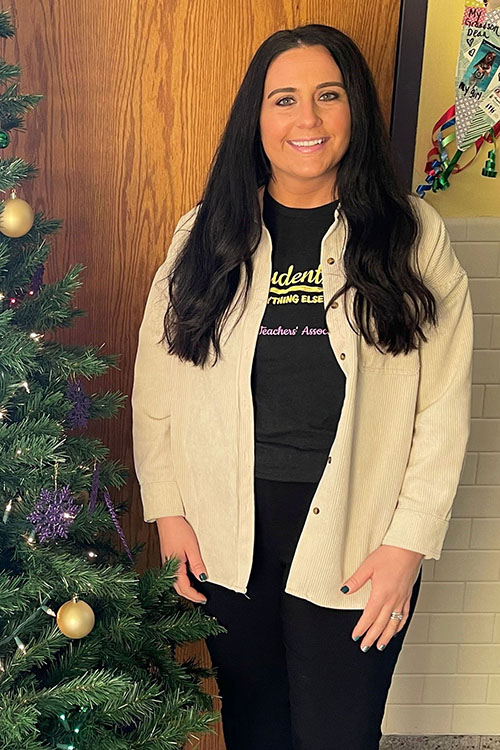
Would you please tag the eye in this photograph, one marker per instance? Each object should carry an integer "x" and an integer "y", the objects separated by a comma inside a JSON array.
[
  {"x": 284, "y": 99},
  {"x": 332, "y": 94}
]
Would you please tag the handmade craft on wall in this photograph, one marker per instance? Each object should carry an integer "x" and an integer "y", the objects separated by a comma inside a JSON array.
[{"x": 475, "y": 117}]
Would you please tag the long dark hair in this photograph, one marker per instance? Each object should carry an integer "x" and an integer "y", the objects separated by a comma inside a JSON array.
[{"x": 383, "y": 226}]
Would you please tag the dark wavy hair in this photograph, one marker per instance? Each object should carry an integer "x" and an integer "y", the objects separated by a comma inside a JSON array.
[{"x": 390, "y": 297}]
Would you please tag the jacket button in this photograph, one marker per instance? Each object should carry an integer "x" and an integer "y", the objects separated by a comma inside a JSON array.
[
  {"x": 316, "y": 510},
  {"x": 329, "y": 459},
  {"x": 335, "y": 304},
  {"x": 342, "y": 356},
  {"x": 330, "y": 260}
]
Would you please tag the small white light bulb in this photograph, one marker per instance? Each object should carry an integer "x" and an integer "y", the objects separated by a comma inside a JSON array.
[
  {"x": 7, "y": 510},
  {"x": 20, "y": 644}
]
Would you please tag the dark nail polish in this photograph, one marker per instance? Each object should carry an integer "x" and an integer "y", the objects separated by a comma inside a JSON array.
[
  {"x": 203, "y": 576},
  {"x": 344, "y": 589},
  {"x": 356, "y": 637}
]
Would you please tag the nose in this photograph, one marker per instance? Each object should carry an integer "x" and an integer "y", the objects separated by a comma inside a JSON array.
[{"x": 308, "y": 116}]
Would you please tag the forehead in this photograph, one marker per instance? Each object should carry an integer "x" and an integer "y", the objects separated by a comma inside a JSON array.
[{"x": 302, "y": 65}]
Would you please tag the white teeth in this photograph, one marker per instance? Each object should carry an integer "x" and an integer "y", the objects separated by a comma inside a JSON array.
[{"x": 308, "y": 143}]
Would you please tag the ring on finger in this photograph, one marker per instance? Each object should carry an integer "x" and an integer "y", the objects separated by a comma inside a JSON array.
[{"x": 395, "y": 617}]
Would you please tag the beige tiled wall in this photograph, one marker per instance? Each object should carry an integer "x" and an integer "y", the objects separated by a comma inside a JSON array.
[{"x": 447, "y": 680}]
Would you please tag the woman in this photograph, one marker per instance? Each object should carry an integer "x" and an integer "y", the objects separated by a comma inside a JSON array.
[{"x": 300, "y": 431}]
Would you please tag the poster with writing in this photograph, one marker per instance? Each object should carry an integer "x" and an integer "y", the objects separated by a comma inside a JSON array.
[{"x": 478, "y": 71}]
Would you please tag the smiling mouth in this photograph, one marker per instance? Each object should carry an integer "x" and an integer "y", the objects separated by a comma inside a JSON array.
[
  {"x": 309, "y": 142},
  {"x": 310, "y": 145}
]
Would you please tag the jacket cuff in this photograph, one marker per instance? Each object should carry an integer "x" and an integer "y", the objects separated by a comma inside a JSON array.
[
  {"x": 161, "y": 499},
  {"x": 419, "y": 532}
]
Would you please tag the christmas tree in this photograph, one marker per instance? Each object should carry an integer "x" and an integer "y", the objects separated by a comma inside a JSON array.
[{"x": 87, "y": 646}]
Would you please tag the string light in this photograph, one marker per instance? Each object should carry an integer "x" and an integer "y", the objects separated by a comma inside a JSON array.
[
  {"x": 3, "y": 413},
  {"x": 20, "y": 644},
  {"x": 25, "y": 385},
  {"x": 22, "y": 626},
  {"x": 92, "y": 554},
  {"x": 36, "y": 336},
  {"x": 64, "y": 722},
  {"x": 19, "y": 452},
  {"x": 7, "y": 510},
  {"x": 31, "y": 538},
  {"x": 2, "y": 296}
]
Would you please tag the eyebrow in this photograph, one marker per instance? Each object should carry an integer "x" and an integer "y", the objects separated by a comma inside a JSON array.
[{"x": 291, "y": 89}]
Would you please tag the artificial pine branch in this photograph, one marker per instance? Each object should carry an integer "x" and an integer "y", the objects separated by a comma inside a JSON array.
[
  {"x": 8, "y": 71},
  {"x": 51, "y": 308},
  {"x": 17, "y": 104},
  {"x": 7, "y": 30},
  {"x": 71, "y": 361},
  {"x": 23, "y": 265},
  {"x": 105, "y": 405}
]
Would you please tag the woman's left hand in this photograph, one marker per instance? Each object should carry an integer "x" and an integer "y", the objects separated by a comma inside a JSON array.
[{"x": 393, "y": 571}]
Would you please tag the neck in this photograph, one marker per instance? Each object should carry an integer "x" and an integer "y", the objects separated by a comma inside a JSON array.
[{"x": 296, "y": 195}]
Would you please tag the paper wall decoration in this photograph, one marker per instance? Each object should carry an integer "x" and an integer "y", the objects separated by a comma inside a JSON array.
[{"x": 475, "y": 117}]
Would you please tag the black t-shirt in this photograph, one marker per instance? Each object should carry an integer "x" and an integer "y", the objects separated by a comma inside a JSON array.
[{"x": 297, "y": 384}]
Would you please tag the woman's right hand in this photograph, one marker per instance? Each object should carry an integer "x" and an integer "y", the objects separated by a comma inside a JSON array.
[{"x": 177, "y": 538}]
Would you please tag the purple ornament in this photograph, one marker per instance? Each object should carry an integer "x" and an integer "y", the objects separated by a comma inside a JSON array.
[
  {"x": 53, "y": 514},
  {"x": 78, "y": 415},
  {"x": 94, "y": 490},
  {"x": 112, "y": 513},
  {"x": 37, "y": 279},
  {"x": 93, "y": 499}
]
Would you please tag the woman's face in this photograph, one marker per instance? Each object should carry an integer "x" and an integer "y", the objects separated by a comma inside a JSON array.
[{"x": 304, "y": 100}]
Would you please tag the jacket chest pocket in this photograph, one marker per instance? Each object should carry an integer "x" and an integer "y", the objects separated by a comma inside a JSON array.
[{"x": 370, "y": 358}]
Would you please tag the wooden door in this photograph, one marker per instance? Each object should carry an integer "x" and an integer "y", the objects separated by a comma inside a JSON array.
[{"x": 136, "y": 96}]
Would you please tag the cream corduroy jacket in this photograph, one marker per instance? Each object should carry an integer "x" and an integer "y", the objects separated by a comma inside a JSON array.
[{"x": 393, "y": 468}]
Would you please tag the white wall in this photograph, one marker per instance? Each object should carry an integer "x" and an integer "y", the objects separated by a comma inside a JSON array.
[{"x": 447, "y": 680}]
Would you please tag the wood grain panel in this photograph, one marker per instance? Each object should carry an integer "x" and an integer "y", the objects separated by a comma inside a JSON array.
[{"x": 137, "y": 94}]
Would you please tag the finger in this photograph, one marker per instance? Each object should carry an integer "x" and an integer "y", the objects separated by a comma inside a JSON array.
[
  {"x": 357, "y": 580},
  {"x": 184, "y": 588},
  {"x": 390, "y": 629},
  {"x": 394, "y": 626},
  {"x": 406, "y": 614},
  {"x": 370, "y": 614},
  {"x": 196, "y": 564},
  {"x": 377, "y": 628}
]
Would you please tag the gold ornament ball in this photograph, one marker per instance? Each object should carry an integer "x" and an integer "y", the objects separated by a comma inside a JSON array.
[
  {"x": 75, "y": 619},
  {"x": 16, "y": 218}
]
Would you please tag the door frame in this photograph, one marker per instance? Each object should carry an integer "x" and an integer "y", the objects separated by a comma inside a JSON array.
[{"x": 407, "y": 80}]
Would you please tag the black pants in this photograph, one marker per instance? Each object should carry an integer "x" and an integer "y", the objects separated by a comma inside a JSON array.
[{"x": 289, "y": 674}]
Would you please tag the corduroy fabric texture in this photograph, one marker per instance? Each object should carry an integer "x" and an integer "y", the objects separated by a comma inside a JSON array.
[{"x": 395, "y": 463}]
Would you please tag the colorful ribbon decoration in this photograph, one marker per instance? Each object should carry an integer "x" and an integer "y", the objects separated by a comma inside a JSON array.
[{"x": 439, "y": 167}]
